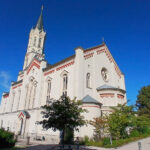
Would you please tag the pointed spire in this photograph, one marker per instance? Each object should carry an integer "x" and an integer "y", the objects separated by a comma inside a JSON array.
[{"x": 39, "y": 24}]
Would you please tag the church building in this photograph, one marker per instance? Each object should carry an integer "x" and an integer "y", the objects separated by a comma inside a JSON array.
[{"x": 91, "y": 75}]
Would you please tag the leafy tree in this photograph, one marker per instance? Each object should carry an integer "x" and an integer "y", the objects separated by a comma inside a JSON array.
[
  {"x": 100, "y": 127},
  {"x": 63, "y": 114},
  {"x": 118, "y": 121},
  {"x": 141, "y": 124},
  {"x": 143, "y": 101}
]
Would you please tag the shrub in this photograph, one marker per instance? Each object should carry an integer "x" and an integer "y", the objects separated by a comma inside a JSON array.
[
  {"x": 90, "y": 142},
  {"x": 6, "y": 139},
  {"x": 144, "y": 130},
  {"x": 134, "y": 133},
  {"x": 106, "y": 141},
  {"x": 84, "y": 141}
]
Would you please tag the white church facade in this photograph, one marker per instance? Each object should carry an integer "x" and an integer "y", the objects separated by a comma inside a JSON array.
[{"x": 91, "y": 75}]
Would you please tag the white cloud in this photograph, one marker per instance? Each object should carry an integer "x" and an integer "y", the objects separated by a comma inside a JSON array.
[{"x": 4, "y": 79}]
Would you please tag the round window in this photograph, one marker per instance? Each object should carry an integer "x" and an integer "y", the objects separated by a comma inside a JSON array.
[{"x": 104, "y": 73}]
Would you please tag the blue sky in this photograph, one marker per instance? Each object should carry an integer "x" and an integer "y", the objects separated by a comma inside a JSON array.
[{"x": 124, "y": 24}]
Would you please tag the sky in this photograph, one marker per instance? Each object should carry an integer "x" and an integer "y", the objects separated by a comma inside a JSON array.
[{"x": 124, "y": 24}]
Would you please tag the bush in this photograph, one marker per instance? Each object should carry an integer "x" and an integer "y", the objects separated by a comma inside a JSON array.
[
  {"x": 144, "y": 130},
  {"x": 106, "y": 141},
  {"x": 6, "y": 139},
  {"x": 84, "y": 141},
  {"x": 134, "y": 133},
  {"x": 90, "y": 142}
]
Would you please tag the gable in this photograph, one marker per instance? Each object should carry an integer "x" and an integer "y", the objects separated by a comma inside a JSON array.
[
  {"x": 102, "y": 49},
  {"x": 35, "y": 63}
]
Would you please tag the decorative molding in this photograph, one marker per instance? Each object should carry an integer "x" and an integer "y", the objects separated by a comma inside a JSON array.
[
  {"x": 59, "y": 63},
  {"x": 100, "y": 51},
  {"x": 107, "y": 95},
  {"x": 21, "y": 76},
  {"x": 94, "y": 48},
  {"x": 65, "y": 65},
  {"x": 120, "y": 96},
  {"x": 37, "y": 61},
  {"x": 17, "y": 86},
  {"x": 6, "y": 95},
  {"x": 91, "y": 106},
  {"x": 88, "y": 55},
  {"x": 49, "y": 72},
  {"x": 109, "y": 56},
  {"x": 33, "y": 64},
  {"x": 59, "y": 68},
  {"x": 21, "y": 114}
]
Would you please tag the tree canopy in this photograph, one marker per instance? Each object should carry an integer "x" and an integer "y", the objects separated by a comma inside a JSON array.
[
  {"x": 143, "y": 101},
  {"x": 121, "y": 123},
  {"x": 100, "y": 127},
  {"x": 121, "y": 118},
  {"x": 62, "y": 114}
]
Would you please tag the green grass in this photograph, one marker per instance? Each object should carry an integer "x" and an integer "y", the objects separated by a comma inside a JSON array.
[{"x": 115, "y": 143}]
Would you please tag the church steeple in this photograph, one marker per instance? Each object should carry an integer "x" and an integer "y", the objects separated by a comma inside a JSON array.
[
  {"x": 36, "y": 42},
  {"x": 39, "y": 24}
]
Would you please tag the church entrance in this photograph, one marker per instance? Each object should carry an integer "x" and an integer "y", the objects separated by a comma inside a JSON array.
[
  {"x": 23, "y": 116},
  {"x": 21, "y": 125}
]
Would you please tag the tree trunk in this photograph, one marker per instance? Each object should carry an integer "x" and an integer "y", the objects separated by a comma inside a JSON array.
[{"x": 63, "y": 136}]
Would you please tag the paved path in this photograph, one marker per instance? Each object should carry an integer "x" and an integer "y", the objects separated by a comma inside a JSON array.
[{"x": 132, "y": 146}]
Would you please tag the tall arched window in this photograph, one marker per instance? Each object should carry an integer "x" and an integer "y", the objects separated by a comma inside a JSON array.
[
  {"x": 33, "y": 94},
  {"x": 88, "y": 80},
  {"x": 26, "y": 97},
  {"x": 48, "y": 90},
  {"x": 12, "y": 104},
  {"x": 34, "y": 44},
  {"x": 19, "y": 94},
  {"x": 65, "y": 83},
  {"x": 39, "y": 44},
  {"x": 26, "y": 62}
]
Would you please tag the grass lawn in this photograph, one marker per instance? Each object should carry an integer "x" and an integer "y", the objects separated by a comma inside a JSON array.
[{"x": 115, "y": 143}]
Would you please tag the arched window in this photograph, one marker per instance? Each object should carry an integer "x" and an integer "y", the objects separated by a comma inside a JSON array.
[
  {"x": 39, "y": 44},
  {"x": 65, "y": 82},
  {"x": 88, "y": 80},
  {"x": 48, "y": 89},
  {"x": 19, "y": 94},
  {"x": 33, "y": 94},
  {"x": 12, "y": 104},
  {"x": 26, "y": 62},
  {"x": 34, "y": 44},
  {"x": 26, "y": 97}
]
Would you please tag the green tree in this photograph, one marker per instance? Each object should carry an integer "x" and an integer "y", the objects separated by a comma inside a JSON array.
[
  {"x": 143, "y": 101},
  {"x": 118, "y": 121},
  {"x": 100, "y": 127},
  {"x": 141, "y": 124},
  {"x": 63, "y": 114}
]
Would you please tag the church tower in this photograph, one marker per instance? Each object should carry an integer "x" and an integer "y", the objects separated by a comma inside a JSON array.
[{"x": 36, "y": 42}]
